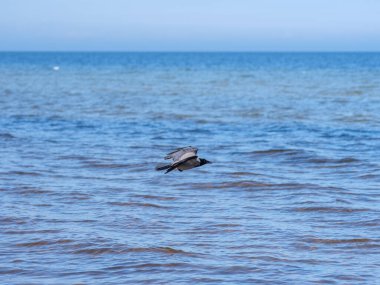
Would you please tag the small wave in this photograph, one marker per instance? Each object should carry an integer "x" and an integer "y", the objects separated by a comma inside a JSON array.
[
  {"x": 107, "y": 165},
  {"x": 286, "y": 260},
  {"x": 153, "y": 197},
  {"x": 329, "y": 209},
  {"x": 368, "y": 223},
  {"x": 83, "y": 125},
  {"x": 206, "y": 280},
  {"x": 11, "y": 271},
  {"x": 74, "y": 157},
  {"x": 13, "y": 220},
  {"x": 25, "y": 232},
  {"x": 165, "y": 250},
  {"x": 250, "y": 114},
  {"x": 181, "y": 116},
  {"x": 79, "y": 196},
  {"x": 226, "y": 185},
  {"x": 206, "y": 121},
  {"x": 275, "y": 151},
  {"x": 227, "y": 225},
  {"x": 369, "y": 176},
  {"x": 333, "y": 162},
  {"x": 99, "y": 251},
  {"x": 113, "y": 250},
  {"x": 6, "y": 136},
  {"x": 247, "y": 75},
  {"x": 83, "y": 221},
  {"x": 27, "y": 173},
  {"x": 342, "y": 160},
  {"x": 30, "y": 190},
  {"x": 236, "y": 269},
  {"x": 115, "y": 267},
  {"x": 150, "y": 265},
  {"x": 339, "y": 241},
  {"x": 7, "y": 92},
  {"x": 242, "y": 173},
  {"x": 137, "y": 204},
  {"x": 289, "y": 154},
  {"x": 42, "y": 205},
  {"x": 301, "y": 156},
  {"x": 165, "y": 116},
  {"x": 255, "y": 184},
  {"x": 356, "y": 119},
  {"x": 43, "y": 243},
  {"x": 24, "y": 116},
  {"x": 354, "y": 92},
  {"x": 254, "y": 174}
]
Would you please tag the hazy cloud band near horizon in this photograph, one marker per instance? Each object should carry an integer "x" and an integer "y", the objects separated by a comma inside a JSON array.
[{"x": 183, "y": 25}]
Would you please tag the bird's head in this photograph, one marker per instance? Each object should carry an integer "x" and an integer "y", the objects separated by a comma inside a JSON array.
[{"x": 204, "y": 161}]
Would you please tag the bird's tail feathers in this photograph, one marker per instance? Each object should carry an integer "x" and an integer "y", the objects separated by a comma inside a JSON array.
[{"x": 162, "y": 166}]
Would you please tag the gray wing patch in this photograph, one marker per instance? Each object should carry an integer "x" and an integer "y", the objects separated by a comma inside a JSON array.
[
  {"x": 178, "y": 163},
  {"x": 180, "y": 152}
]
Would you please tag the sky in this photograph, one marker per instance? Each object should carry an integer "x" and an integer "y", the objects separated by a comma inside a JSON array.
[{"x": 189, "y": 25}]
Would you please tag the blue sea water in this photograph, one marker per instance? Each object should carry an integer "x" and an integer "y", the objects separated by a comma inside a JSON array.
[{"x": 292, "y": 196}]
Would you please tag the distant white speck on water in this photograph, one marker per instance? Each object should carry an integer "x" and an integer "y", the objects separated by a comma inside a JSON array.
[{"x": 56, "y": 68}]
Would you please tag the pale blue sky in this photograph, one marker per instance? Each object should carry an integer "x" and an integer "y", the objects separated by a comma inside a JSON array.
[{"x": 190, "y": 25}]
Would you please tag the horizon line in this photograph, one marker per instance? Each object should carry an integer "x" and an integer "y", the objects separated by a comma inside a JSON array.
[{"x": 189, "y": 51}]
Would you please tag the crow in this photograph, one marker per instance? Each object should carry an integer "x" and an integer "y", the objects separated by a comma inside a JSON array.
[{"x": 184, "y": 158}]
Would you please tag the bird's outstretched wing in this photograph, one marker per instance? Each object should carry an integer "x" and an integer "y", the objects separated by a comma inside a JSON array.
[
  {"x": 178, "y": 154},
  {"x": 178, "y": 163}
]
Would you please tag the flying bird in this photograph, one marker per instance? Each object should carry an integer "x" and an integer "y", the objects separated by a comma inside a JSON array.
[{"x": 184, "y": 158}]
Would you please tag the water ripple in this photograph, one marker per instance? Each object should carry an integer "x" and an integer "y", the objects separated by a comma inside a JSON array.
[{"x": 292, "y": 196}]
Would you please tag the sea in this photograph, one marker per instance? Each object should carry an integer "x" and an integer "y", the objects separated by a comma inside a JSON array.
[{"x": 292, "y": 195}]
